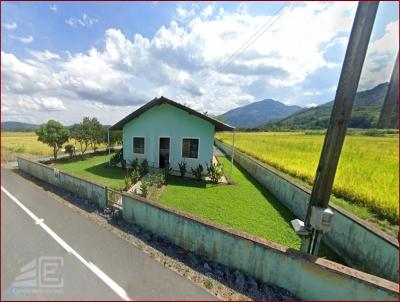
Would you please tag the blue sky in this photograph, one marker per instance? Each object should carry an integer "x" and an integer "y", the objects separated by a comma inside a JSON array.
[{"x": 68, "y": 60}]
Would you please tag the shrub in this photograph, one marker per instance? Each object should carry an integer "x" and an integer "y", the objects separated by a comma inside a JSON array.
[
  {"x": 134, "y": 163},
  {"x": 135, "y": 175},
  {"x": 70, "y": 149},
  {"x": 214, "y": 171},
  {"x": 182, "y": 168},
  {"x": 128, "y": 182},
  {"x": 144, "y": 187},
  {"x": 123, "y": 164},
  {"x": 167, "y": 171},
  {"x": 144, "y": 167},
  {"x": 198, "y": 171},
  {"x": 160, "y": 180},
  {"x": 116, "y": 158}
]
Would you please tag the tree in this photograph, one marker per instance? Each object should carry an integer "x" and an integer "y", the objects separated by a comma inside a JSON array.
[
  {"x": 53, "y": 134},
  {"x": 97, "y": 133},
  {"x": 115, "y": 138},
  {"x": 81, "y": 134}
]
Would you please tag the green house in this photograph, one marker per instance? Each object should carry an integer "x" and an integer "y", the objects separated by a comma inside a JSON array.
[{"x": 163, "y": 131}]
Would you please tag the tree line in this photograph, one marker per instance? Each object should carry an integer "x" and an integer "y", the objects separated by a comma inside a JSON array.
[{"x": 87, "y": 133}]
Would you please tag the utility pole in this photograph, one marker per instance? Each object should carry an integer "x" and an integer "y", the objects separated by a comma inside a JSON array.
[
  {"x": 318, "y": 217},
  {"x": 391, "y": 98}
]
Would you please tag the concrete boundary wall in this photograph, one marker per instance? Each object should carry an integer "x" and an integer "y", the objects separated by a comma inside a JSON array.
[
  {"x": 360, "y": 244},
  {"x": 307, "y": 277},
  {"x": 76, "y": 185}
]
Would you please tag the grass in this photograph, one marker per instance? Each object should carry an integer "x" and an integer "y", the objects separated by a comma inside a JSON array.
[
  {"x": 95, "y": 168},
  {"x": 24, "y": 143},
  {"x": 368, "y": 168},
  {"x": 245, "y": 206}
]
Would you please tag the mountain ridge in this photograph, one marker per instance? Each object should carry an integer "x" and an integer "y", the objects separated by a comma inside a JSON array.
[{"x": 257, "y": 113}]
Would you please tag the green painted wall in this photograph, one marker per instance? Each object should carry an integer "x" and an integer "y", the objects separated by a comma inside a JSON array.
[
  {"x": 362, "y": 247},
  {"x": 308, "y": 278},
  {"x": 168, "y": 121},
  {"x": 91, "y": 191}
]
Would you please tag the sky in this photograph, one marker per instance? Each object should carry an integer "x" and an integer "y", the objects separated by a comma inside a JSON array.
[{"x": 67, "y": 60}]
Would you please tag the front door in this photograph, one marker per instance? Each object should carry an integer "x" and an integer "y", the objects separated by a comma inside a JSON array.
[{"x": 164, "y": 152}]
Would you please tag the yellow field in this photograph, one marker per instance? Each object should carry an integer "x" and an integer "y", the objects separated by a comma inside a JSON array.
[
  {"x": 23, "y": 143},
  {"x": 367, "y": 173}
]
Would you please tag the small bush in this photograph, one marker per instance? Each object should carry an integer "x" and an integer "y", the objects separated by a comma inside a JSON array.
[
  {"x": 144, "y": 167},
  {"x": 128, "y": 182},
  {"x": 134, "y": 163},
  {"x": 182, "y": 168},
  {"x": 135, "y": 175},
  {"x": 197, "y": 173},
  {"x": 215, "y": 172},
  {"x": 70, "y": 149},
  {"x": 123, "y": 164},
  {"x": 167, "y": 171},
  {"x": 144, "y": 187},
  {"x": 116, "y": 158}
]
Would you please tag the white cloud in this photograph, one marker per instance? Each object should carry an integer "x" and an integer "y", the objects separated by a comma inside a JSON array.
[
  {"x": 181, "y": 61},
  {"x": 53, "y": 8},
  {"x": 10, "y": 26},
  {"x": 311, "y": 105},
  {"x": 381, "y": 56},
  {"x": 44, "y": 55},
  {"x": 312, "y": 93},
  {"x": 85, "y": 21},
  {"x": 25, "y": 40}
]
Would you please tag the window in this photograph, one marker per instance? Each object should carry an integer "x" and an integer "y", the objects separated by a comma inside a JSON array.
[
  {"x": 138, "y": 145},
  {"x": 190, "y": 147}
]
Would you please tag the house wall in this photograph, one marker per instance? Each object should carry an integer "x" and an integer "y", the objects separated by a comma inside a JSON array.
[
  {"x": 361, "y": 245},
  {"x": 168, "y": 121}
]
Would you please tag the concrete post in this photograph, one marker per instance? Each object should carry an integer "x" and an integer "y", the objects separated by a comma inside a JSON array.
[
  {"x": 341, "y": 111},
  {"x": 232, "y": 155}
]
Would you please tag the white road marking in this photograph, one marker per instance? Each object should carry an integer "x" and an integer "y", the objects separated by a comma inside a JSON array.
[{"x": 98, "y": 272}]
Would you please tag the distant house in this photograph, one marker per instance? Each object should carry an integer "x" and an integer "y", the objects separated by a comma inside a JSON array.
[{"x": 165, "y": 131}]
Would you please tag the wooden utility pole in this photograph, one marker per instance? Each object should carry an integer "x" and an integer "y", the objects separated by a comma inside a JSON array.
[
  {"x": 391, "y": 99},
  {"x": 341, "y": 111}
]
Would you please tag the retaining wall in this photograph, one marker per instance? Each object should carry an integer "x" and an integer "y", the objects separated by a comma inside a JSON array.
[
  {"x": 76, "y": 185},
  {"x": 307, "y": 277},
  {"x": 360, "y": 244}
]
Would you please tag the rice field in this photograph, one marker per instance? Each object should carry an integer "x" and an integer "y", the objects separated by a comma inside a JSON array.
[
  {"x": 24, "y": 143},
  {"x": 368, "y": 172}
]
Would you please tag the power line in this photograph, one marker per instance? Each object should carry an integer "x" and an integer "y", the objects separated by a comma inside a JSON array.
[{"x": 253, "y": 38}]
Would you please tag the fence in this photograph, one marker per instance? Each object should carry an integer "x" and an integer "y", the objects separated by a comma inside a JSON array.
[
  {"x": 307, "y": 277},
  {"x": 360, "y": 244}
]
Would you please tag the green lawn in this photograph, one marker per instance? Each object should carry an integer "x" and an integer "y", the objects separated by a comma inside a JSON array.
[
  {"x": 96, "y": 168},
  {"x": 245, "y": 206}
]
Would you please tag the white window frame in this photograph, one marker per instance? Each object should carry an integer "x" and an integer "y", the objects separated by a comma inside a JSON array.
[
  {"x": 144, "y": 144},
  {"x": 198, "y": 148}
]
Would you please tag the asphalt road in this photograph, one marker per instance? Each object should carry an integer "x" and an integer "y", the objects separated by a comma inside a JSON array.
[{"x": 52, "y": 252}]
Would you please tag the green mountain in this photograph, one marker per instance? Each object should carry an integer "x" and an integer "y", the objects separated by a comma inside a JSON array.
[
  {"x": 366, "y": 111},
  {"x": 257, "y": 113},
  {"x": 18, "y": 126}
]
